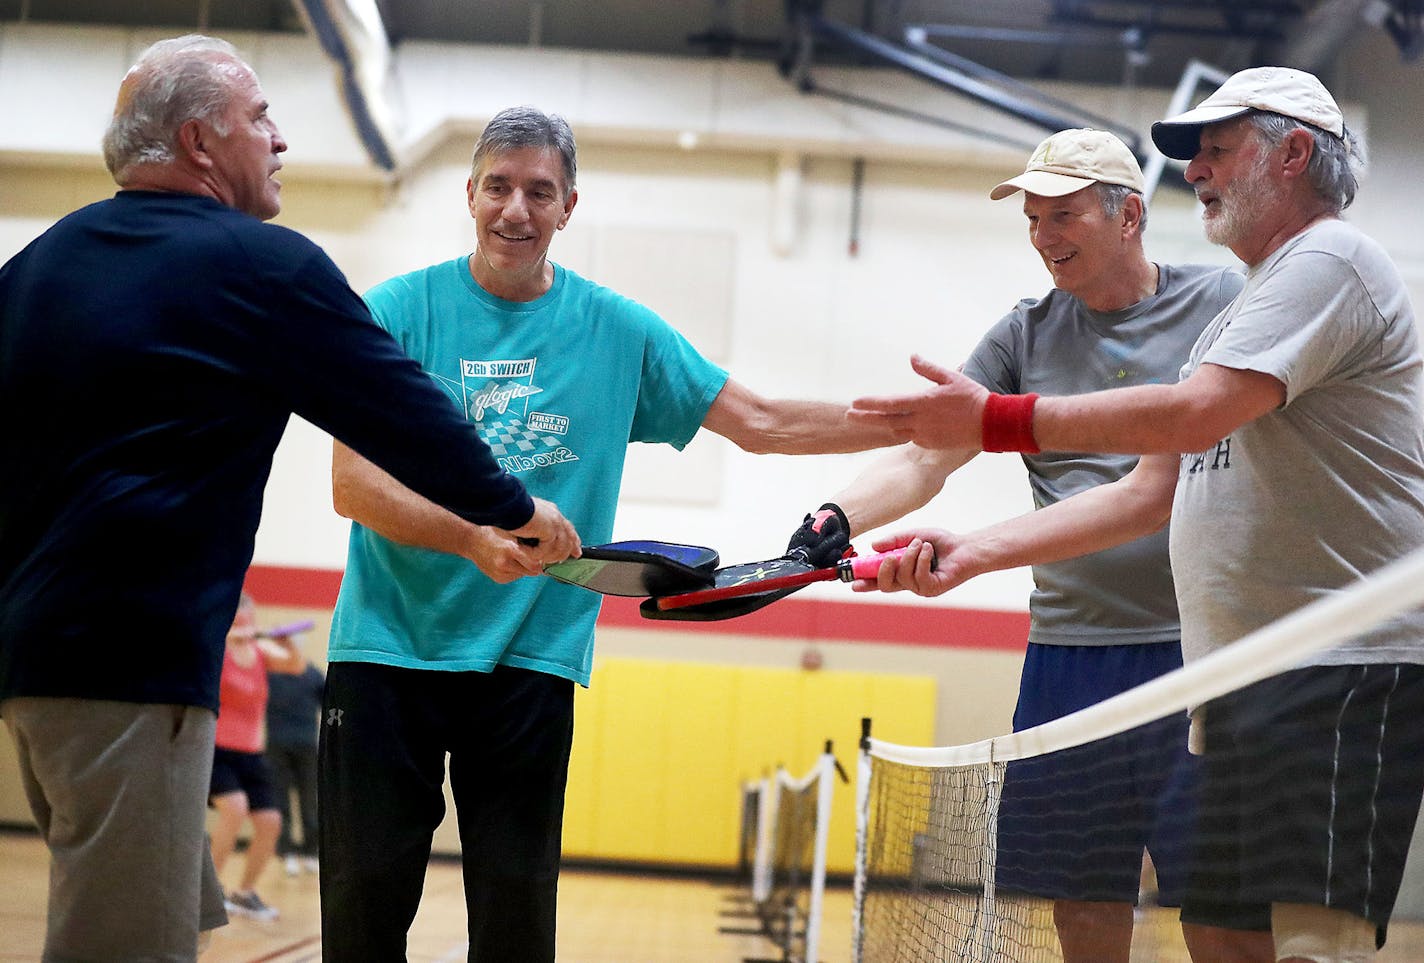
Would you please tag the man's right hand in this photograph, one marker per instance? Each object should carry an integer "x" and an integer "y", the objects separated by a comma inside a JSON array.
[
  {"x": 500, "y": 555},
  {"x": 934, "y": 562},
  {"x": 549, "y": 536}
]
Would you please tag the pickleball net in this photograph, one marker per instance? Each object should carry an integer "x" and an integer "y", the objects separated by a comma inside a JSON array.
[
  {"x": 937, "y": 876},
  {"x": 787, "y": 820}
]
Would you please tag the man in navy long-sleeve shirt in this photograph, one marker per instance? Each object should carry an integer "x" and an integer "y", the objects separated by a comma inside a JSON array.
[{"x": 152, "y": 348}]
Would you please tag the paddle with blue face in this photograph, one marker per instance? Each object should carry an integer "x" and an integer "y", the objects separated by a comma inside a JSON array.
[{"x": 639, "y": 568}]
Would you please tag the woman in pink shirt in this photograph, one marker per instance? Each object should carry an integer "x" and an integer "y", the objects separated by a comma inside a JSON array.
[{"x": 242, "y": 783}]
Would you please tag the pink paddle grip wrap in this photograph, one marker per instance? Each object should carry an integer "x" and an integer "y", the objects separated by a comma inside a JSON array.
[{"x": 868, "y": 566}]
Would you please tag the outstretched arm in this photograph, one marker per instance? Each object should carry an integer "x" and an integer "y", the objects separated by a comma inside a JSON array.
[
  {"x": 787, "y": 427},
  {"x": 897, "y": 483},
  {"x": 1191, "y": 415},
  {"x": 364, "y": 493},
  {"x": 1137, "y": 504}
]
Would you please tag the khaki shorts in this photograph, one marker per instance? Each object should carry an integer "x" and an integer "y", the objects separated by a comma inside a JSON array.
[{"x": 119, "y": 791}]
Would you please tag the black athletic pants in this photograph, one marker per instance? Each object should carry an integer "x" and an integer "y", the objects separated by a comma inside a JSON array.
[
  {"x": 294, "y": 768},
  {"x": 384, "y": 738}
]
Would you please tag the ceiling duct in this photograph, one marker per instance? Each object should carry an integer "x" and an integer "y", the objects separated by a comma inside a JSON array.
[
  {"x": 1403, "y": 20},
  {"x": 353, "y": 36},
  {"x": 1316, "y": 40},
  {"x": 936, "y": 66}
]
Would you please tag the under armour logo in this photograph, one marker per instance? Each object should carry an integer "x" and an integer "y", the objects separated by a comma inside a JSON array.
[{"x": 333, "y": 716}]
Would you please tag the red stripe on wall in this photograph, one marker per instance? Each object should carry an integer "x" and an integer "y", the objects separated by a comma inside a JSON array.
[
  {"x": 307, "y": 588},
  {"x": 795, "y": 618}
]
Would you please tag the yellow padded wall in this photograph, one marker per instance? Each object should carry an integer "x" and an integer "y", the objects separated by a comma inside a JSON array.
[
  {"x": 661, "y": 750},
  {"x": 583, "y": 772},
  {"x": 694, "y": 822},
  {"x": 633, "y": 766}
]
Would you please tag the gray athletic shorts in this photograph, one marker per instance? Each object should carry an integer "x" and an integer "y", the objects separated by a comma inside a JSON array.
[{"x": 119, "y": 791}]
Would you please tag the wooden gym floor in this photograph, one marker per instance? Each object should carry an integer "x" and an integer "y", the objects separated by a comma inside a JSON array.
[{"x": 604, "y": 917}]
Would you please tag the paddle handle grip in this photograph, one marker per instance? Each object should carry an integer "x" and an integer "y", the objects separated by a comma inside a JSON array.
[{"x": 868, "y": 566}]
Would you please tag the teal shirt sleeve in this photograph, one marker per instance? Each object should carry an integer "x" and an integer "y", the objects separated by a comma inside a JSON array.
[{"x": 677, "y": 387}]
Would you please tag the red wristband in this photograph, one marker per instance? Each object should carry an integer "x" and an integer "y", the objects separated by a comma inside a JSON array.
[{"x": 1008, "y": 423}]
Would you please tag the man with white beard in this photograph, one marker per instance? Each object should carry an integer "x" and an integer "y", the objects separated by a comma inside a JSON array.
[{"x": 1290, "y": 461}]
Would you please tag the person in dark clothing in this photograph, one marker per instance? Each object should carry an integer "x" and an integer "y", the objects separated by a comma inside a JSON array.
[
  {"x": 293, "y": 713},
  {"x": 152, "y": 348}
]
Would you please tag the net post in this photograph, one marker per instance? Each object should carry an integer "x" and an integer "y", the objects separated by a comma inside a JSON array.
[
  {"x": 761, "y": 862},
  {"x": 862, "y": 829},
  {"x": 836, "y": 763},
  {"x": 825, "y": 787},
  {"x": 746, "y": 845}
]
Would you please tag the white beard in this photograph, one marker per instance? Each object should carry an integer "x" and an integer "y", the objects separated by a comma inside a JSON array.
[{"x": 1239, "y": 206}]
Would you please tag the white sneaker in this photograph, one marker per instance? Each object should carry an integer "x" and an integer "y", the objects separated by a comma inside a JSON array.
[{"x": 292, "y": 866}]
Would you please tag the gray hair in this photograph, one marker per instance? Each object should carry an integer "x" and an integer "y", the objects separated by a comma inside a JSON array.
[
  {"x": 173, "y": 81},
  {"x": 517, "y": 127},
  {"x": 1113, "y": 196},
  {"x": 1336, "y": 164}
]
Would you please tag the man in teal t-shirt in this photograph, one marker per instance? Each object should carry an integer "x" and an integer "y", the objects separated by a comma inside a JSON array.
[{"x": 433, "y": 655}]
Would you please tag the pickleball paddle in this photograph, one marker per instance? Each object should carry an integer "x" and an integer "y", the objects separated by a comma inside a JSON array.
[
  {"x": 639, "y": 568},
  {"x": 745, "y": 588}
]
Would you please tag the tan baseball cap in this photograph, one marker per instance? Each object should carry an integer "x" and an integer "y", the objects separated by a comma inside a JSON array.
[
  {"x": 1278, "y": 90},
  {"x": 1071, "y": 160}
]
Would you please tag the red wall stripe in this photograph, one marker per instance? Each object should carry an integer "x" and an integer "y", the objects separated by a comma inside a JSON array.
[
  {"x": 307, "y": 588},
  {"x": 796, "y": 618}
]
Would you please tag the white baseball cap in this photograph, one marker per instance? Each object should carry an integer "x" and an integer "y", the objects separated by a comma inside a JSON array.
[
  {"x": 1277, "y": 90},
  {"x": 1071, "y": 160}
]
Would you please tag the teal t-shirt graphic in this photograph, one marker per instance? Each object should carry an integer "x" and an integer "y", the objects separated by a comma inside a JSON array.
[{"x": 557, "y": 387}]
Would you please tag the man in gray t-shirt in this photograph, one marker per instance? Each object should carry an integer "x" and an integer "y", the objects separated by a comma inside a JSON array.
[
  {"x": 1329, "y": 479},
  {"x": 1290, "y": 457},
  {"x": 1106, "y": 622}
]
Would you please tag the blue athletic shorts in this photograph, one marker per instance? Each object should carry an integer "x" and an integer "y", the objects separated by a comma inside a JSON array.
[{"x": 1074, "y": 824}]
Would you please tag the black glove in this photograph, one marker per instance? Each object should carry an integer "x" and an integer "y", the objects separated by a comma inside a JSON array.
[{"x": 823, "y": 538}]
